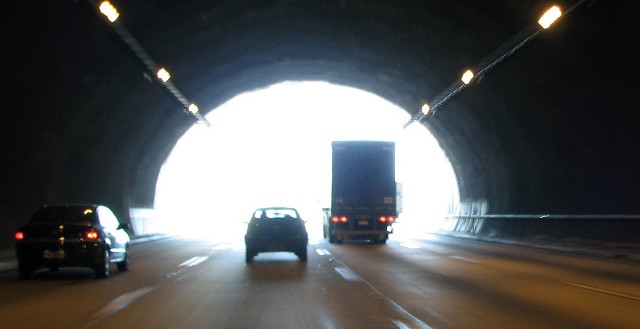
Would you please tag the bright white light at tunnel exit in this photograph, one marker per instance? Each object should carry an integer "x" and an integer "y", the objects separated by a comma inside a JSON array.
[{"x": 273, "y": 147}]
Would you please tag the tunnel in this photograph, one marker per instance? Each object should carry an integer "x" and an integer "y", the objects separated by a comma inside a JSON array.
[{"x": 553, "y": 128}]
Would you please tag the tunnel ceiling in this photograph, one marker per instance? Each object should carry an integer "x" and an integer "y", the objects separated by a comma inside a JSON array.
[{"x": 553, "y": 128}]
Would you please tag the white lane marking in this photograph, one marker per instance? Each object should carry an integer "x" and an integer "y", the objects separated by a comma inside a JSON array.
[
  {"x": 194, "y": 261},
  {"x": 465, "y": 259},
  {"x": 604, "y": 291},
  {"x": 401, "y": 310},
  {"x": 410, "y": 245},
  {"x": 122, "y": 301},
  {"x": 323, "y": 252},
  {"x": 347, "y": 274},
  {"x": 400, "y": 324},
  {"x": 314, "y": 241}
]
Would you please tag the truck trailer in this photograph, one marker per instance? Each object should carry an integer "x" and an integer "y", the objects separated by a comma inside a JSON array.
[{"x": 363, "y": 192}]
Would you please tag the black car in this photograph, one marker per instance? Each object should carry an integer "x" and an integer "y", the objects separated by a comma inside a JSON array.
[
  {"x": 72, "y": 236},
  {"x": 276, "y": 229}
]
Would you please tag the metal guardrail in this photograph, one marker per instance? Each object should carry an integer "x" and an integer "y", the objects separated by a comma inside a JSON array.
[{"x": 545, "y": 216}]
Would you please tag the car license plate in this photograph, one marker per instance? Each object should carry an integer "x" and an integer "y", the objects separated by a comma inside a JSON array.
[
  {"x": 363, "y": 222},
  {"x": 57, "y": 254}
]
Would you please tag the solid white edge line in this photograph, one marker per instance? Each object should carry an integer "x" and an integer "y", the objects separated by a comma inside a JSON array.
[
  {"x": 604, "y": 291},
  {"x": 349, "y": 273},
  {"x": 401, "y": 324}
]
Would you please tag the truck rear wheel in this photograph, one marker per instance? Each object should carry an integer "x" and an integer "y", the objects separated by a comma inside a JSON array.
[
  {"x": 334, "y": 239},
  {"x": 381, "y": 240},
  {"x": 24, "y": 269}
]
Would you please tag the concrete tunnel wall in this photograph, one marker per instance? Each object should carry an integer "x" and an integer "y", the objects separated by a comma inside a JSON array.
[{"x": 552, "y": 129}]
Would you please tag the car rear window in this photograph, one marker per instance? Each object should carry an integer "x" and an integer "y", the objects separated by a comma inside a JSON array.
[
  {"x": 64, "y": 215},
  {"x": 276, "y": 213}
]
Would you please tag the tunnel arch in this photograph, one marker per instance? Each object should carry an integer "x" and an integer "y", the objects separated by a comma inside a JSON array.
[
  {"x": 472, "y": 187},
  {"x": 86, "y": 123}
]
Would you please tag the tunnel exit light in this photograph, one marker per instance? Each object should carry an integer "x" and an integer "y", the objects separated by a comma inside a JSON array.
[
  {"x": 107, "y": 9},
  {"x": 549, "y": 17}
]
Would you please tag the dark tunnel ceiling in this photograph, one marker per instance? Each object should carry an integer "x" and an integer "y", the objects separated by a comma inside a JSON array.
[{"x": 554, "y": 128}]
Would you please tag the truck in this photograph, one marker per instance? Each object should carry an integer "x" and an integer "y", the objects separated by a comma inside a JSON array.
[{"x": 363, "y": 192}]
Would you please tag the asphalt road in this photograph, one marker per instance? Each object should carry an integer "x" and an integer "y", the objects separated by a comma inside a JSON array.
[{"x": 427, "y": 282}]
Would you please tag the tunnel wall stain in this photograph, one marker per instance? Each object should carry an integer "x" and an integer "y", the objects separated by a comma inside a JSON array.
[{"x": 593, "y": 231}]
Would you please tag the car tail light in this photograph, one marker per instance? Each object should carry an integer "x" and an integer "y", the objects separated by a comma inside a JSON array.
[
  {"x": 337, "y": 219},
  {"x": 91, "y": 235},
  {"x": 386, "y": 219},
  {"x": 19, "y": 236}
]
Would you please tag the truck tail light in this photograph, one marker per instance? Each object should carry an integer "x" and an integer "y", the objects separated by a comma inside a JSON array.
[
  {"x": 19, "y": 236},
  {"x": 386, "y": 219},
  {"x": 91, "y": 235},
  {"x": 342, "y": 219}
]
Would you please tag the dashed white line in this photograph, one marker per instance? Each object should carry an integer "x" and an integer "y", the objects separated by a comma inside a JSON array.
[
  {"x": 194, "y": 261},
  {"x": 465, "y": 259},
  {"x": 118, "y": 304},
  {"x": 323, "y": 252},
  {"x": 410, "y": 245},
  {"x": 347, "y": 274}
]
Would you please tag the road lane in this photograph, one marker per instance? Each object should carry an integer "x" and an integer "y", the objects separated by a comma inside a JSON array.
[
  {"x": 275, "y": 291},
  {"x": 453, "y": 283},
  {"x": 411, "y": 282},
  {"x": 69, "y": 298}
]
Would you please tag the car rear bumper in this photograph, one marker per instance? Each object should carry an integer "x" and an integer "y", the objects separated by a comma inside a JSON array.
[
  {"x": 343, "y": 234},
  {"x": 69, "y": 255},
  {"x": 269, "y": 245}
]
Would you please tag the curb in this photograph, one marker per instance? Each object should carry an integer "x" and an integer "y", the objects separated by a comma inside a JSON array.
[
  {"x": 584, "y": 248},
  {"x": 8, "y": 260}
]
